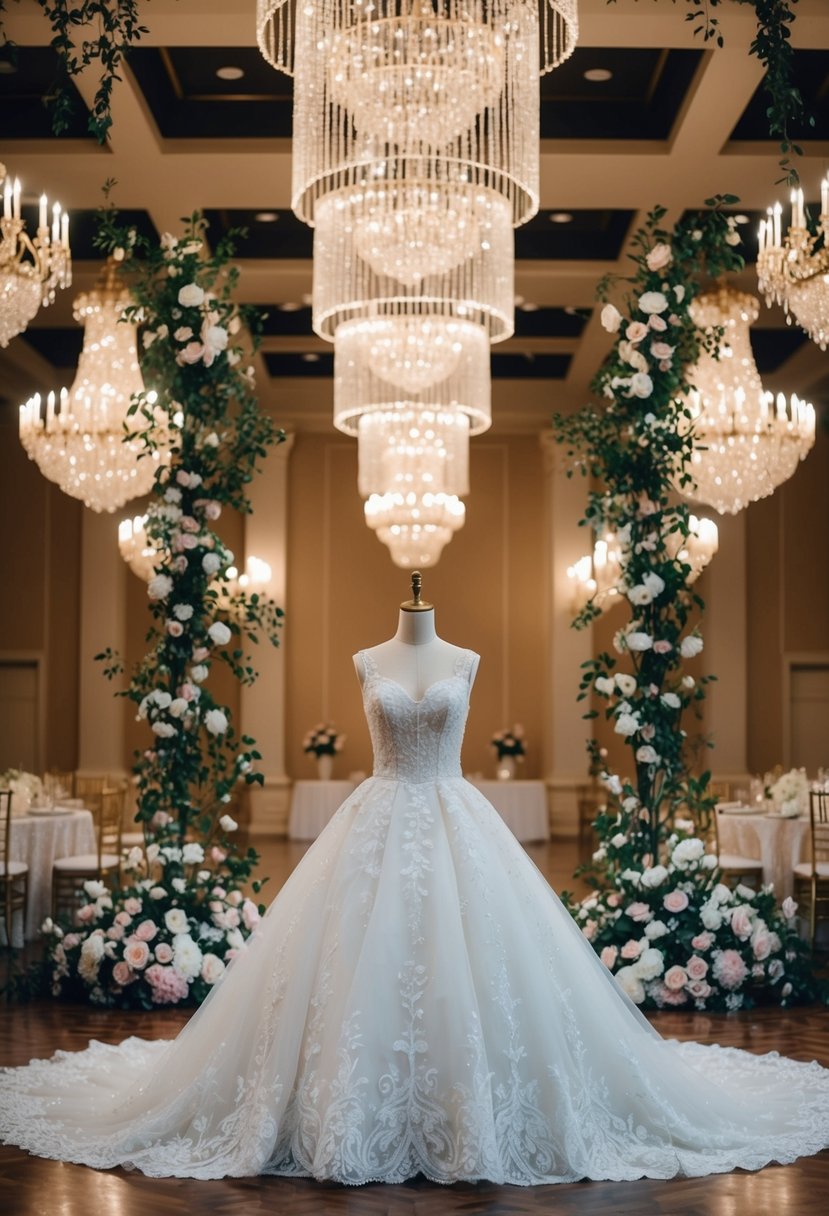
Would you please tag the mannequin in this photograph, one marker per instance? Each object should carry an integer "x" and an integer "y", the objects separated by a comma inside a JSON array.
[{"x": 415, "y": 658}]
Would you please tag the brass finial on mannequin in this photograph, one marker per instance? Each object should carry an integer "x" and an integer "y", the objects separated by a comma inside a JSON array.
[{"x": 416, "y": 604}]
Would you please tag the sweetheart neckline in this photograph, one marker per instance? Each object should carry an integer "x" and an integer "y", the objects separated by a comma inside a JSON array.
[{"x": 435, "y": 684}]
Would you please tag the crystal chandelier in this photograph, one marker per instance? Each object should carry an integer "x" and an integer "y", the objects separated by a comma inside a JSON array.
[
  {"x": 77, "y": 439},
  {"x": 136, "y": 548},
  {"x": 794, "y": 270},
  {"x": 745, "y": 443},
  {"x": 597, "y": 577},
  {"x": 31, "y": 268}
]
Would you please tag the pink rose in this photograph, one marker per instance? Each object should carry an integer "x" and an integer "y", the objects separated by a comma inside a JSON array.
[
  {"x": 71, "y": 940},
  {"x": 761, "y": 943},
  {"x": 180, "y": 563},
  {"x": 675, "y": 901},
  {"x": 168, "y": 987},
  {"x": 183, "y": 477},
  {"x": 188, "y": 524},
  {"x": 658, "y": 323},
  {"x": 696, "y": 967},
  {"x": 200, "y": 653},
  {"x": 608, "y": 956},
  {"x": 662, "y": 647},
  {"x": 589, "y": 930},
  {"x": 213, "y": 510},
  {"x": 229, "y": 919},
  {"x": 702, "y": 941},
  {"x": 123, "y": 918},
  {"x": 648, "y": 731},
  {"x": 86, "y": 914},
  {"x": 699, "y": 989},
  {"x": 163, "y": 952},
  {"x": 160, "y": 819},
  {"x": 230, "y": 954},
  {"x": 788, "y": 907},
  {"x": 672, "y": 996},
  {"x": 175, "y": 629},
  {"x": 729, "y": 970},
  {"x": 664, "y": 365},
  {"x": 146, "y": 931},
  {"x": 661, "y": 350},
  {"x": 675, "y": 978},
  {"x": 636, "y": 331},
  {"x": 192, "y": 353},
  {"x": 132, "y": 905},
  {"x": 673, "y": 319},
  {"x": 614, "y": 899},
  {"x": 234, "y": 898},
  {"x": 115, "y": 933},
  {"x": 741, "y": 922},
  {"x": 122, "y": 974},
  {"x": 187, "y": 692},
  {"x": 659, "y": 257},
  {"x": 638, "y": 911},
  {"x": 250, "y": 914},
  {"x": 219, "y": 892},
  {"x": 218, "y": 855},
  {"x": 631, "y": 949},
  {"x": 189, "y": 541},
  {"x": 136, "y": 954}
]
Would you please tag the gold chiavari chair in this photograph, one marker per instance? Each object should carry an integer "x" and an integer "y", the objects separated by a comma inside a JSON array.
[
  {"x": 59, "y": 779},
  {"x": 70, "y": 873},
  {"x": 90, "y": 790},
  {"x": 14, "y": 875},
  {"x": 811, "y": 878},
  {"x": 734, "y": 867}
]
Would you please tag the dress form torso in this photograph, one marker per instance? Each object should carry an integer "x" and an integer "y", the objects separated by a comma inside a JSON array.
[{"x": 415, "y": 658}]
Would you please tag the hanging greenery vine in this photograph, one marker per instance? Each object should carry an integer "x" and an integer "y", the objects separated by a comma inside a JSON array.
[{"x": 659, "y": 917}]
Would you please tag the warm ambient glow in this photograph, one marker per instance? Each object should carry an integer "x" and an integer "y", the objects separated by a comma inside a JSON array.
[
  {"x": 137, "y": 550},
  {"x": 746, "y": 443},
  {"x": 31, "y": 268},
  {"x": 77, "y": 437},
  {"x": 793, "y": 270}
]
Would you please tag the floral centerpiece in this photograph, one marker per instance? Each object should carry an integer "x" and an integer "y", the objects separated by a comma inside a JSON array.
[
  {"x": 671, "y": 933},
  {"x": 323, "y": 742},
  {"x": 26, "y": 789},
  {"x": 509, "y": 743},
  {"x": 790, "y": 793}
]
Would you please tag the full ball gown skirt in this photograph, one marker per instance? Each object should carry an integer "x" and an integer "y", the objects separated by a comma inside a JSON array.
[{"x": 417, "y": 1001}]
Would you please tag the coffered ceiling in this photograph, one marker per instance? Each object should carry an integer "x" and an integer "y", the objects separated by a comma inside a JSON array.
[{"x": 641, "y": 114}]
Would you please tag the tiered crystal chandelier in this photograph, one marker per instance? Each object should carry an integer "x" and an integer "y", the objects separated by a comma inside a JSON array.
[
  {"x": 597, "y": 577},
  {"x": 31, "y": 268},
  {"x": 746, "y": 443},
  {"x": 794, "y": 270},
  {"x": 136, "y": 548},
  {"x": 77, "y": 438}
]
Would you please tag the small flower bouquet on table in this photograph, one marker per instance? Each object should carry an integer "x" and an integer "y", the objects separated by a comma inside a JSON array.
[
  {"x": 790, "y": 793},
  {"x": 26, "y": 789},
  {"x": 323, "y": 742},
  {"x": 509, "y": 748}
]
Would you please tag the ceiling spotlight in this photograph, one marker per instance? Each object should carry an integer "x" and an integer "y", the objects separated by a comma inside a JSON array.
[
  {"x": 561, "y": 217},
  {"x": 310, "y": 357},
  {"x": 528, "y": 307},
  {"x": 266, "y": 217},
  {"x": 230, "y": 73},
  {"x": 289, "y": 306},
  {"x": 598, "y": 75}
]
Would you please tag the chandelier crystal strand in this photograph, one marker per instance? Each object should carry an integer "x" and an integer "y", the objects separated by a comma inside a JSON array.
[
  {"x": 746, "y": 442},
  {"x": 77, "y": 439},
  {"x": 31, "y": 268},
  {"x": 793, "y": 270}
]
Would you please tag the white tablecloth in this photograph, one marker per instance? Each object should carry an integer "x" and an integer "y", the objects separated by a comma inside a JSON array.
[
  {"x": 778, "y": 843},
  {"x": 39, "y": 840},
  {"x": 312, "y": 805},
  {"x": 521, "y": 804}
]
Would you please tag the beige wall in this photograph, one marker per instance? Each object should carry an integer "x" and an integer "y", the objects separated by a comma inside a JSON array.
[{"x": 344, "y": 592}]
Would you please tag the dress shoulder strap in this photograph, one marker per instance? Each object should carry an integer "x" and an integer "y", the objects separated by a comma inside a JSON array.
[
  {"x": 369, "y": 665},
  {"x": 464, "y": 663}
]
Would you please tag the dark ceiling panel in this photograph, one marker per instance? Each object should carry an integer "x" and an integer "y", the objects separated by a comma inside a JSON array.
[
  {"x": 189, "y": 101},
  {"x": 27, "y": 78},
  {"x": 774, "y": 347},
  {"x": 284, "y": 237},
  {"x": 811, "y": 75},
  {"x": 529, "y": 366},
  {"x": 640, "y": 99},
  {"x": 281, "y": 365},
  {"x": 589, "y": 235},
  {"x": 61, "y": 347}
]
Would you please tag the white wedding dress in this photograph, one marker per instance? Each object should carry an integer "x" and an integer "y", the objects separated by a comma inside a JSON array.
[{"x": 417, "y": 1001}]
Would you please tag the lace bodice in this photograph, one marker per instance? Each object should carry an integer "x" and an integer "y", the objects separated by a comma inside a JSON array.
[{"x": 417, "y": 741}]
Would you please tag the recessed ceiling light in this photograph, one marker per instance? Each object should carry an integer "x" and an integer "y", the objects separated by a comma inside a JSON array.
[
  {"x": 527, "y": 306},
  {"x": 289, "y": 306},
  {"x": 571, "y": 311},
  {"x": 310, "y": 357},
  {"x": 230, "y": 73},
  {"x": 740, "y": 219},
  {"x": 598, "y": 75},
  {"x": 561, "y": 217},
  {"x": 266, "y": 217}
]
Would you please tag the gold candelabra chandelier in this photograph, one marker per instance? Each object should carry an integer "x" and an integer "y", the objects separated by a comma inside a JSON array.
[
  {"x": 32, "y": 268},
  {"x": 793, "y": 269}
]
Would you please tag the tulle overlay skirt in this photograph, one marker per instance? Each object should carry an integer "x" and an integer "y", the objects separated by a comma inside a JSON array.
[{"x": 417, "y": 1001}]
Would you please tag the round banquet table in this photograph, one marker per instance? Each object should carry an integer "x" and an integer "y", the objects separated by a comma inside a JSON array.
[
  {"x": 521, "y": 804},
  {"x": 778, "y": 843},
  {"x": 312, "y": 805},
  {"x": 40, "y": 840}
]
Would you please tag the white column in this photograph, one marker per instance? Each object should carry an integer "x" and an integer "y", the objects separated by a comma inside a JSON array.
[
  {"x": 565, "y": 755},
  {"x": 725, "y": 654},
  {"x": 104, "y": 576},
  {"x": 263, "y": 704}
]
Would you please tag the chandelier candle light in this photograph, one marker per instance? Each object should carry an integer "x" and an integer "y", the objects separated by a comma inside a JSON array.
[
  {"x": 794, "y": 270},
  {"x": 31, "y": 268},
  {"x": 746, "y": 442},
  {"x": 136, "y": 548},
  {"x": 78, "y": 438}
]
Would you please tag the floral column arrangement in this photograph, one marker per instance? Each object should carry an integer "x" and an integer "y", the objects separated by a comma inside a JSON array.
[
  {"x": 659, "y": 917},
  {"x": 166, "y": 936}
]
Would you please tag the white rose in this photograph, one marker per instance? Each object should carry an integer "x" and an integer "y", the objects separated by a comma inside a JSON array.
[
  {"x": 654, "y": 583},
  {"x": 679, "y": 293},
  {"x": 709, "y": 862},
  {"x": 641, "y": 385},
  {"x": 192, "y": 853},
  {"x": 159, "y": 893},
  {"x": 630, "y": 983},
  {"x": 649, "y": 964},
  {"x": 626, "y": 684},
  {"x": 626, "y": 724},
  {"x": 179, "y": 885},
  {"x": 94, "y": 889},
  {"x": 214, "y": 337},
  {"x": 656, "y": 928},
  {"x": 175, "y": 919},
  {"x": 187, "y": 957},
  {"x": 604, "y": 685},
  {"x": 611, "y": 318},
  {"x": 159, "y": 587},
  {"x": 670, "y": 700},
  {"x": 164, "y": 730},
  {"x": 659, "y": 257},
  {"x": 646, "y": 755},
  {"x": 212, "y": 968},
  {"x": 215, "y": 721},
  {"x": 687, "y": 851},
  {"x": 211, "y": 563},
  {"x": 182, "y": 612},
  {"x": 219, "y": 633},
  {"x": 619, "y": 840},
  {"x": 690, "y": 646},
  {"x": 639, "y": 641},
  {"x": 688, "y": 682},
  {"x": 710, "y": 917},
  {"x": 652, "y": 301},
  {"x": 228, "y": 824},
  {"x": 178, "y": 707},
  {"x": 162, "y": 699},
  {"x": 654, "y": 877},
  {"x": 191, "y": 295},
  {"x": 639, "y": 596},
  {"x": 199, "y": 673}
]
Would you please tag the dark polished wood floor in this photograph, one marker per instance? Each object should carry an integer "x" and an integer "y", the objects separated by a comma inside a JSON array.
[{"x": 33, "y": 1187}]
